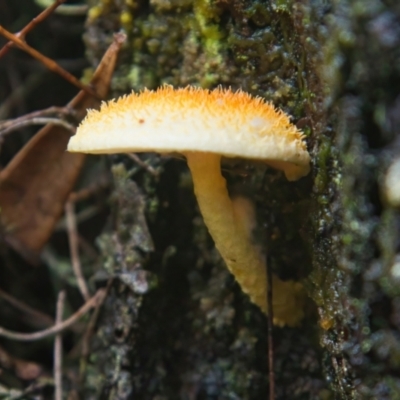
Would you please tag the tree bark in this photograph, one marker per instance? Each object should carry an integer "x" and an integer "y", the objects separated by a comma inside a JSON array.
[{"x": 332, "y": 65}]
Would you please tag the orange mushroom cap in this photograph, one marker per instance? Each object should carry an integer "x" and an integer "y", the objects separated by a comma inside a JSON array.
[{"x": 232, "y": 124}]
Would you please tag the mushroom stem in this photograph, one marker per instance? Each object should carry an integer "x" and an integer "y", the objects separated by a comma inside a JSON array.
[{"x": 233, "y": 241}]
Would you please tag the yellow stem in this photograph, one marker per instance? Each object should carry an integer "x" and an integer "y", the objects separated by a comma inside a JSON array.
[{"x": 233, "y": 241}]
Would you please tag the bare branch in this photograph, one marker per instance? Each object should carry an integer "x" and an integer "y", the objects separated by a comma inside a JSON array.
[
  {"x": 97, "y": 299},
  {"x": 74, "y": 249},
  {"x": 35, "y": 21},
  {"x": 58, "y": 349},
  {"x": 51, "y": 111},
  {"x": 147, "y": 167},
  {"x": 36, "y": 121},
  {"x": 102, "y": 183},
  {"x": 48, "y": 62},
  {"x": 40, "y": 318}
]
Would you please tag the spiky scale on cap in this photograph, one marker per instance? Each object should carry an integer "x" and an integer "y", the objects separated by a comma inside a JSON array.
[{"x": 233, "y": 124}]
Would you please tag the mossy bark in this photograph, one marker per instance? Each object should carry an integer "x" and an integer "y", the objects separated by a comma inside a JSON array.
[{"x": 332, "y": 65}]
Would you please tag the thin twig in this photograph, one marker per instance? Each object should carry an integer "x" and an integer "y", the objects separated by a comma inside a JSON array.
[
  {"x": 97, "y": 299},
  {"x": 66, "y": 9},
  {"x": 35, "y": 21},
  {"x": 86, "y": 341},
  {"x": 84, "y": 215},
  {"x": 51, "y": 111},
  {"x": 37, "y": 316},
  {"x": 147, "y": 167},
  {"x": 48, "y": 62},
  {"x": 91, "y": 325},
  {"x": 36, "y": 121},
  {"x": 87, "y": 248},
  {"x": 58, "y": 395},
  {"x": 20, "y": 93},
  {"x": 270, "y": 332},
  {"x": 74, "y": 249},
  {"x": 83, "y": 194}
]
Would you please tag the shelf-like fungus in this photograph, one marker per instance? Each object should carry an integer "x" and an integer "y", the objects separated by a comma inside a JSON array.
[{"x": 204, "y": 126}]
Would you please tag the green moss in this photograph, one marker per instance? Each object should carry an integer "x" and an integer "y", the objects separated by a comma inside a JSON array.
[
  {"x": 322, "y": 177},
  {"x": 283, "y": 5},
  {"x": 206, "y": 17}
]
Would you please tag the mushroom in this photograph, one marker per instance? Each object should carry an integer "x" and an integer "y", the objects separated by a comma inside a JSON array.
[{"x": 203, "y": 126}]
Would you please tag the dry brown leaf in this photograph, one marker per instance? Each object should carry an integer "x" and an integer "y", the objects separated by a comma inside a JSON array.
[
  {"x": 35, "y": 185},
  {"x": 26, "y": 370}
]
